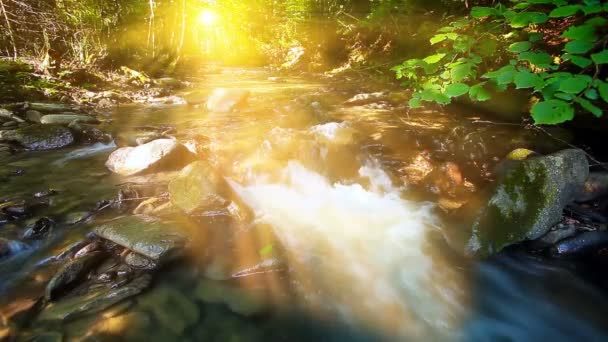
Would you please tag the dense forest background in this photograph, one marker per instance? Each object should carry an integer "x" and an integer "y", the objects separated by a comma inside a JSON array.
[{"x": 552, "y": 51}]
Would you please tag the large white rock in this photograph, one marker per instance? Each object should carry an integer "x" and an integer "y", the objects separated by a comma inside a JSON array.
[
  {"x": 224, "y": 100},
  {"x": 158, "y": 155}
]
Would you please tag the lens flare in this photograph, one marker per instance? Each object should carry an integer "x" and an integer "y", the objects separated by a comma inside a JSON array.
[{"x": 207, "y": 17}]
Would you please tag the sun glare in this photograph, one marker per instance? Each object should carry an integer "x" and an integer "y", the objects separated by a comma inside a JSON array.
[{"x": 207, "y": 17}]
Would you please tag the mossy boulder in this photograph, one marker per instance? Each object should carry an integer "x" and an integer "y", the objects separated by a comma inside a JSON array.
[
  {"x": 40, "y": 137},
  {"x": 198, "y": 185},
  {"x": 528, "y": 200}
]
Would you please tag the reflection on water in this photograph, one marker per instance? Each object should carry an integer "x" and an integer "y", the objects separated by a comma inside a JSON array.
[{"x": 345, "y": 239}]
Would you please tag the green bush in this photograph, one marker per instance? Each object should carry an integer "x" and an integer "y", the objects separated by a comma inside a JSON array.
[{"x": 554, "y": 48}]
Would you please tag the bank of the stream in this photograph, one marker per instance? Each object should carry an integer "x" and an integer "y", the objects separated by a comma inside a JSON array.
[{"x": 293, "y": 208}]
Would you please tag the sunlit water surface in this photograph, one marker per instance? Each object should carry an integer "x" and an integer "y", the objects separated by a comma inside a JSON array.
[{"x": 330, "y": 190}]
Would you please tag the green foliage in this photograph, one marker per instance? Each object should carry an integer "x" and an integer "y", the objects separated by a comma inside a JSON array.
[{"x": 565, "y": 76}]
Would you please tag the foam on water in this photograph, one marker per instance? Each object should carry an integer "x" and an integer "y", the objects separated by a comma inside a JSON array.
[{"x": 361, "y": 252}]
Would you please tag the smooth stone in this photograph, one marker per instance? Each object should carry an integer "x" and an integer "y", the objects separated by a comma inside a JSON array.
[
  {"x": 139, "y": 262},
  {"x": 39, "y": 228},
  {"x": 197, "y": 185},
  {"x": 223, "y": 100},
  {"x": 362, "y": 99},
  {"x": 173, "y": 310},
  {"x": 528, "y": 200},
  {"x": 556, "y": 234},
  {"x": 72, "y": 272},
  {"x": 92, "y": 302},
  {"x": 583, "y": 243},
  {"x": 9, "y": 124},
  {"x": 158, "y": 155},
  {"x": 40, "y": 137},
  {"x": 7, "y": 114},
  {"x": 33, "y": 116},
  {"x": 155, "y": 240},
  {"x": 50, "y": 107},
  {"x": 66, "y": 119}
]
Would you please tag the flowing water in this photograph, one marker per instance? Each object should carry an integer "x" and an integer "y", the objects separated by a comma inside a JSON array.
[{"x": 353, "y": 200}]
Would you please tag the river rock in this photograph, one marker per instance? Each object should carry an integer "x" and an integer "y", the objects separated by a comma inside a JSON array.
[
  {"x": 39, "y": 229},
  {"x": 528, "y": 200},
  {"x": 93, "y": 301},
  {"x": 33, "y": 116},
  {"x": 66, "y": 119},
  {"x": 71, "y": 273},
  {"x": 583, "y": 243},
  {"x": 224, "y": 100},
  {"x": 8, "y": 115},
  {"x": 174, "y": 311},
  {"x": 155, "y": 240},
  {"x": 50, "y": 107},
  {"x": 595, "y": 187},
  {"x": 138, "y": 261},
  {"x": 363, "y": 99},
  {"x": 40, "y": 137},
  {"x": 197, "y": 185},
  {"x": 154, "y": 156}
]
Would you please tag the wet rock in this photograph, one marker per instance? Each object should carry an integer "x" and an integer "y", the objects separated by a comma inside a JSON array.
[
  {"x": 72, "y": 272},
  {"x": 583, "y": 243},
  {"x": 40, "y": 137},
  {"x": 155, "y": 240},
  {"x": 72, "y": 249},
  {"x": 66, "y": 119},
  {"x": 39, "y": 229},
  {"x": 157, "y": 155},
  {"x": 33, "y": 116},
  {"x": 152, "y": 206},
  {"x": 89, "y": 134},
  {"x": 87, "y": 249},
  {"x": 50, "y": 107},
  {"x": 363, "y": 99},
  {"x": 224, "y": 100},
  {"x": 595, "y": 187},
  {"x": 246, "y": 302},
  {"x": 171, "y": 308},
  {"x": 45, "y": 193},
  {"x": 94, "y": 301},
  {"x": 9, "y": 248},
  {"x": 197, "y": 185},
  {"x": 7, "y": 114},
  {"x": 139, "y": 262},
  {"x": 556, "y": 234},
  {"x": 528, "y": 200},
  {"x": 78, "y": 217},
  {"x": 9, "y": 124}
]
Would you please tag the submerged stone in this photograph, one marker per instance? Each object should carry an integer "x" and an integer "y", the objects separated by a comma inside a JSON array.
[
  {"x": 40, "y": 137},
  {"x": 528, "y": 200},
  {"x": 158, "y": 155},
  {"x": 224, "y": 100},
  {"x": 93, "y": 301},
  {"x": 66, "y": 119},
  {"x": 155, "y": 240},
  {"x": 174, "y": 311},
  {"x": 72, "y": 272},
  {"x": 197, "y": 185}
]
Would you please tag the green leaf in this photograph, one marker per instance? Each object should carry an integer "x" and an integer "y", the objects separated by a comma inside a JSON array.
[
  {"x": 540, "y": 59},
  {"x": 503, "y": 75},
  {"x": 435, "y": 96},
  {"x": 432, "y": 59},
  {"x": 526, "y": 79},
  {"x": 266, "y": 249},
  {"x": 520, "y": 46},
  {"x": 575, "y": 85},
  {"x": 581, "y": 62},
  {"x": 597, "y": 22},
  {"x": 589, "y": 107},
  {"x": 592, "y": 94},
  {"x": 564, "y": 96},
  {"x": 524, "y": 19},
  {"x": 565, "y": 11},
  {"x": 592, "y": 9},
  {"x": 456, "y": 89},
  {"x": 600, "y": 57},
  {"x": 602, "y": 88},
  {"x": 415, "y": 103},
  {"x": 584, "y": 32},
  {"x": 578, "y": 46},
  {"x": 482, "y": 12},
  {"x": 438, "y": 38},
  {"x": 460, "y": 72},
  {"x": 479, "y": 93},
  {"x": 552, "y": 112},
  {"x": 535, "y": 36}
]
